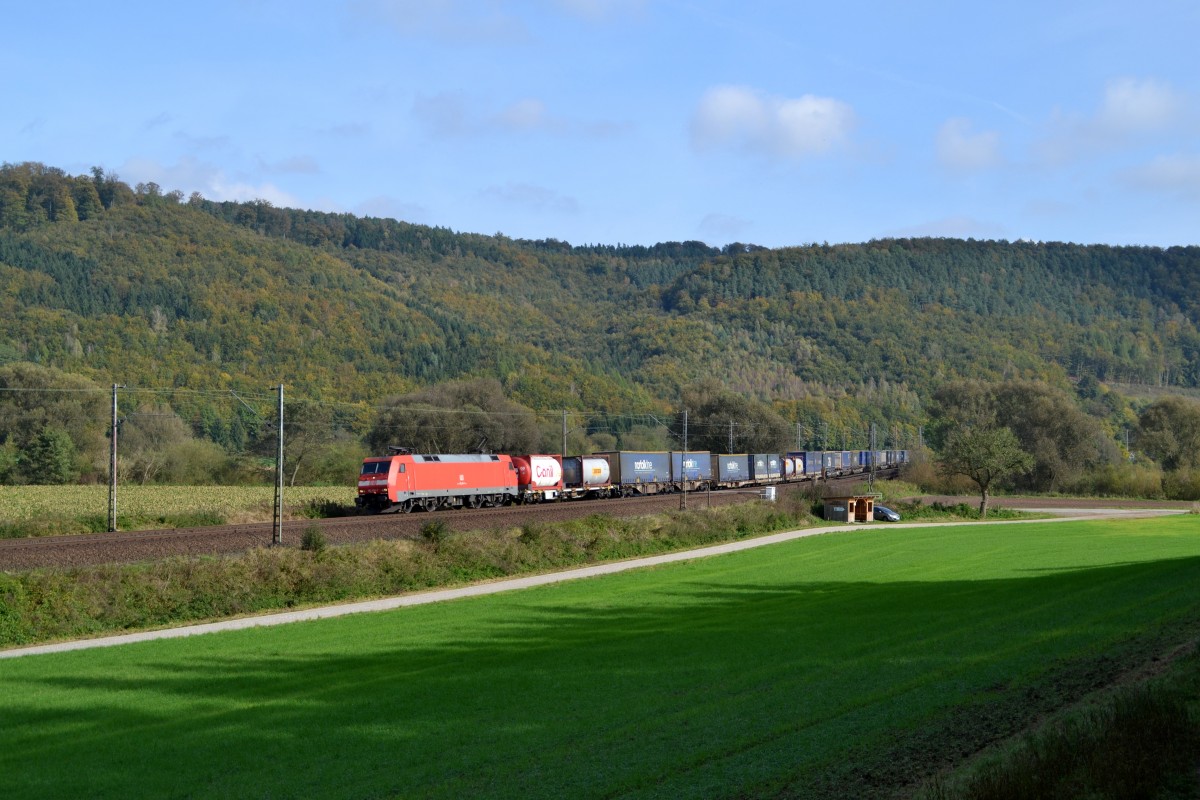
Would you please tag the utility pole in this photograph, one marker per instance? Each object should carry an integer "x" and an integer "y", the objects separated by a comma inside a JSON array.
[
  {"x": 277, "y": 528},
  {"x": 683, "y": 467},
  {"x": 871, "y": 475},
  {"x": 112, "y": 464},
  {"x": 564, "y": 444},
  {"x": 730, "y": 450}
]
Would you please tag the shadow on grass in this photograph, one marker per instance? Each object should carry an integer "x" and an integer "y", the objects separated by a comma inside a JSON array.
[{"x": 653, "y": 686}]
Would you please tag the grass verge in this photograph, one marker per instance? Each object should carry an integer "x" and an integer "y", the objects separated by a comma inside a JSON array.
[{"x": 48, "y": 604}]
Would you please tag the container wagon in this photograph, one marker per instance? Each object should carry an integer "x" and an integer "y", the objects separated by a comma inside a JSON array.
[
  {"x": 731, "y": 470},
  {"x": 766, "y": 468},
  {"x": 585, "y": 476},
  {"x": 691, "y": 470},
  {"x": 637, "y": 472},
  {"x": 539, "y": 477}
]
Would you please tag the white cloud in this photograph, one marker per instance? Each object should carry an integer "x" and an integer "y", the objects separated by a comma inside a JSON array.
[
  {"x": 537, "y": 198},
  {"x": 779, "y": 127},
  {"x": 1133, "y": 106},
  {"x": 961, "y": 149},
  {"x": 190, "y": 175},
  {"x": 1131, "y": 111},
  {"x": 221, "y": 188},
  {"x": 1175, "y": 174}
]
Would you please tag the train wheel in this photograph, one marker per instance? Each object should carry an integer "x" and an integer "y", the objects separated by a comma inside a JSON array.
[{"x": 471, "y": 501}]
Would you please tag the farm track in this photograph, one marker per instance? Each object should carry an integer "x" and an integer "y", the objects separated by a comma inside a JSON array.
[{"x": 133, "y": 546}]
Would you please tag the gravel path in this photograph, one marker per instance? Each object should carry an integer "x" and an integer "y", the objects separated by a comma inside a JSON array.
[{"x": 511, "y": 584}]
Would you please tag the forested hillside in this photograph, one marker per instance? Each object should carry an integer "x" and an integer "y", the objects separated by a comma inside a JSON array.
[{"x": 142, "y": 287}]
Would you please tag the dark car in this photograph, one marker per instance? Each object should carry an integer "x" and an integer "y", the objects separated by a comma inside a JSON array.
[{"x": 886, "y": 514}]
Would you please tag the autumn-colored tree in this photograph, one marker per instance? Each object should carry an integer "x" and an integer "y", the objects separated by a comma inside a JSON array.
[
  {"x": 456, "y": 417},
  {"x": 1169, "y": 432},
  {"x": 716, "y": 416}
]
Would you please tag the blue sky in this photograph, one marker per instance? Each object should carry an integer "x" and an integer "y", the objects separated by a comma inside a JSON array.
[{"x": 635, "y": 121}]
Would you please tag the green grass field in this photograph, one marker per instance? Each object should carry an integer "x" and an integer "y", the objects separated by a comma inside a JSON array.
[{"x": 845, "y": 665}]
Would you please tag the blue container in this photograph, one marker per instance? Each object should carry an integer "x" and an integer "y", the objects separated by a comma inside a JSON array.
[
  {"x": 630, "y": 468},
  {"x": 697, "y": 466},
  {"x": 731, "y": 468},
  {"x": 765, "y": 467}
]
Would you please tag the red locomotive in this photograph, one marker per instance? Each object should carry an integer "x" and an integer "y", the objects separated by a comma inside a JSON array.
[
  {"x": 411, "y": 482},
  {"x": 407, "y": 482}
]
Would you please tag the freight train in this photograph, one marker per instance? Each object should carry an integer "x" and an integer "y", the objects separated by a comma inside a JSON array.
[{"x": 405, "y": 481}]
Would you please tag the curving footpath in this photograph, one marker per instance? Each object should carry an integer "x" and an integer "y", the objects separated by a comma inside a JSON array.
[{"x": 511, "y": 584}]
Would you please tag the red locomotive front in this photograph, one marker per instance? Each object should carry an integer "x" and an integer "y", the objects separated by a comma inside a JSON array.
[{"x": 411, "y": 482}]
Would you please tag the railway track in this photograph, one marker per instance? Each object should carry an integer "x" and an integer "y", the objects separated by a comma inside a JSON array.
[{"x": 149, "y": 545}]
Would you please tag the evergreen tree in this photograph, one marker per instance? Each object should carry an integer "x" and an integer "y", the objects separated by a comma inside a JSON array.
[{"x": 49, "y": 458}]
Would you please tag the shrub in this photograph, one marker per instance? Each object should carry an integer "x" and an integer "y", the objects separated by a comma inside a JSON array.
[
  {"x": 324, "y": 508},
  {"x": 1120, "y": 480},
  {"x": 434, "y": 531},
  {"x": 313, "y": 540},
  {"x": 1182, "y": 484}
]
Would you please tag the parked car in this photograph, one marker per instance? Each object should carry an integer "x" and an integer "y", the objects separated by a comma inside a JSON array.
[{"x": 885, "y": 514}]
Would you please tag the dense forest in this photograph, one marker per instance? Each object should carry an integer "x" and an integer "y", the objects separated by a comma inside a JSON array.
[{"x": 193, "y": 302}]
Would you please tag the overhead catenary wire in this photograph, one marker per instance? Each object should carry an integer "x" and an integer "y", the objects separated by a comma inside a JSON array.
[{"x": 601, "y": 420}]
